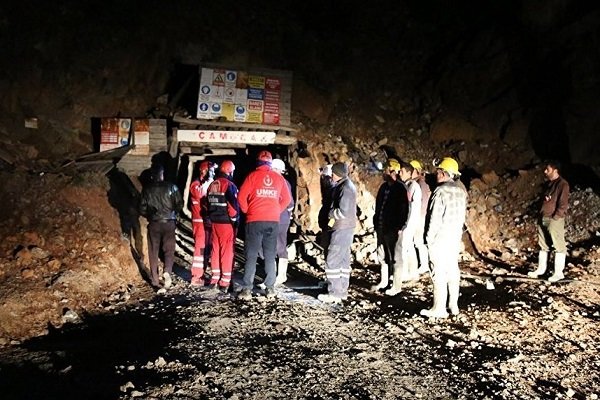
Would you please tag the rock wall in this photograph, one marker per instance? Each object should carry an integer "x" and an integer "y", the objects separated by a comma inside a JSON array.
[
  {"x": 502, "y": 206},
  {"x": 478, "y": 73}
]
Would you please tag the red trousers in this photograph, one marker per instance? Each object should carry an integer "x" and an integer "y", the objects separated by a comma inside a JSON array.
[
  {"x": 199, "y": 246},
  {"x": 221, "y": 258}
]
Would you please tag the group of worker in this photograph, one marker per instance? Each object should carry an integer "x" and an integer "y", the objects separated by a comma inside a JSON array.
[
  {"x": 265, "y": 197},
  {"x": 408, "y": 224},
  {"x": 417, "y": 231}
]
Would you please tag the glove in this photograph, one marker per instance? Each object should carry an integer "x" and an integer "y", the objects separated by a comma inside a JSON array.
[{"x": 331, "y": 222}]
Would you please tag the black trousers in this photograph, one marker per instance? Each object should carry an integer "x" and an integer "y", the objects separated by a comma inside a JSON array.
[{"x": 161, "y": 232}]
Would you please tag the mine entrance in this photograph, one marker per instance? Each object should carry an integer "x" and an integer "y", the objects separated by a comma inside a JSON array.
[{"x": 192, "y": 153}]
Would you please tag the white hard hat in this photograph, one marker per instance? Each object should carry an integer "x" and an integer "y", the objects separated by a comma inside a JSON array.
[{"x": 278, "y": 164}]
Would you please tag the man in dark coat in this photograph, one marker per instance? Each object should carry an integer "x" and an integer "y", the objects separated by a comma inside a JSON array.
[
  {"x": 342, "y": 221},
  {"x": 391, "y": 212},
  {"x": 160, "y": 202}
]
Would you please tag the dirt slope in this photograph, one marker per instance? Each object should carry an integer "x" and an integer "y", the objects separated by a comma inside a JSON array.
[{"x": 62, "y": 253}]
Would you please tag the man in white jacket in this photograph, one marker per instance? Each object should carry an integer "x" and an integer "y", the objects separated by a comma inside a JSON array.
[
  {"x": 419, "y": 176},
  {"x": 443, "y": 234},
  {"x": 406, "y": 263}
]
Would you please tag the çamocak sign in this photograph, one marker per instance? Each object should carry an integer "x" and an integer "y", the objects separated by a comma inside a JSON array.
[{"x": 210, "y": 136}]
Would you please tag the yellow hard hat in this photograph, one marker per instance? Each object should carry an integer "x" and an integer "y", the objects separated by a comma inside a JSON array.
[
  {"x": 449, "y": 165},
  {"x": 416, "y": 165},
  {"x": 393, "y": 164}
]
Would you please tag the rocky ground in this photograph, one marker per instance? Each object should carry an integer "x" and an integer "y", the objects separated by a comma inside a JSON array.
[
  {"x": 512, "y": 340},
  {"x": 78, "y": 318}
]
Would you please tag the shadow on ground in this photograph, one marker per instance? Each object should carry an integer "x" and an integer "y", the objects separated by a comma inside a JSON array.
[{"x": 83, "y": 361}]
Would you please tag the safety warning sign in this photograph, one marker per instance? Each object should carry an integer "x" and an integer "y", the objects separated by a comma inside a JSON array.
[{"x": 253, "y": 96}]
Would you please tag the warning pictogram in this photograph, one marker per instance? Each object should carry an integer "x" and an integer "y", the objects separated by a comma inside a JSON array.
[{"x": 218, "y": 77}]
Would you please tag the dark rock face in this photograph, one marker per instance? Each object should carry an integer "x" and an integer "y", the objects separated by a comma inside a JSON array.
[{"x": 524, "y": 72}]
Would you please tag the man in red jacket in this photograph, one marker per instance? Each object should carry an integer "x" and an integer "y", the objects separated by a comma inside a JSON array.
[
  {"x": 223, "y": 211},
  {"x": 200, "y": 221},
  {"x": 262, "y": 197}
]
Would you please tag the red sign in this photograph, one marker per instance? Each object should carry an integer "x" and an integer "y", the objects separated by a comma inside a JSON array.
[
  {"x": 272, "y": 108},
  {"x": 255, "y": 105},
  {"x": 271, "y": 95},
  {"x": 270, "y": 118},
  {"x": 273, "y": 84}
]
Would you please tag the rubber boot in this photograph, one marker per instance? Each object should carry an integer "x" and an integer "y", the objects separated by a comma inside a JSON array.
[
  {"x": 453, "y": 294},
  {"x": 396, "y": 282},
  {"x": 385, "y": 278},
  {"x": 559, "y": 266},
  {"x": 412, "y": 266},
  {"x": 440, "y": 294},
  {"x": 282, "y": 265},
  {"x": 542, "y": 264},
  {"x": 168, "y": 282},
  {"x": 423, "y": 259}
]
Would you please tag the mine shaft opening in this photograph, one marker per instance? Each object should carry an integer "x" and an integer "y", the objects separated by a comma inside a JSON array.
[{"x": 244, "y": 159}]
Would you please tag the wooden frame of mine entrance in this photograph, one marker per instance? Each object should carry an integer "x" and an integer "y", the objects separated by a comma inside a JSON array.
[{"x": 199, "y": 150}]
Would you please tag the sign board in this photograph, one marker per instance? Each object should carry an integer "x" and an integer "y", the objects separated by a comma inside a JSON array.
[
  {"x": 258, "y": 96},
  {"x": 210, "y": 136},
  {"x": 114, "y": 132},
  {"x": 141, "y": 136}
]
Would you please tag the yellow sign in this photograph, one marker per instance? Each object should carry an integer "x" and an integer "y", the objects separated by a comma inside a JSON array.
[{"x": 256, "y": 81}]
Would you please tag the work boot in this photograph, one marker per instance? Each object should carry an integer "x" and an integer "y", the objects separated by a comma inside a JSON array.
[
  {"x": 168, "y": 281},
  {"x": 328, "y": 298},
  {"x": 197, "y": 281},
  {"x": 245, "y": 294},
  {"x": 542, "y": 264},
  {"x": 385, "y": 278},
  {"x": 211, "y": 287},
  {"x": 155, "y": 284},
  {"x": 224, "y": 289},
  {"x": 396, "y": 282},
  {"x": 197, "y": 276},
  {"x": 440, "y": 293},
  {"x": 282, "y": 265},
  {"x": 559, "y": 266},
  {"x": 270, "y": 293}
]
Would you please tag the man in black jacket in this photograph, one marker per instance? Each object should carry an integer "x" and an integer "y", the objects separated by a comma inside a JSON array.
[
  {"x": 391, "y": 212},
  {"x": 160, "y": 203}
]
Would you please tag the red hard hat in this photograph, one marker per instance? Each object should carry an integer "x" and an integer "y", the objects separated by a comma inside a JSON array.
[
  {"x": 264, "y": 155},
  {"x": 227, "y": 167},
  {"x": 206, "y": 165}
]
